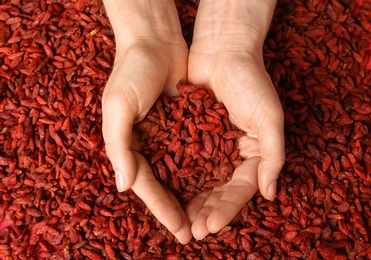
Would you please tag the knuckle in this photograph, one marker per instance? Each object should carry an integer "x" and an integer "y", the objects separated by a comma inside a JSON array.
[
  {"x": 112, "y": 151},
  {"x": 280, "y": 163}
]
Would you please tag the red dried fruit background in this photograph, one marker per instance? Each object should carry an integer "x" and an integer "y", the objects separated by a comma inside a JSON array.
[{"x": 58, "y": 195}]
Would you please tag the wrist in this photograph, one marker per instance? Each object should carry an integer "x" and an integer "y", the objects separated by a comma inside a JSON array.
[
  {"x": 143, "y": 20},
  {"x": 233, "y": 25}
]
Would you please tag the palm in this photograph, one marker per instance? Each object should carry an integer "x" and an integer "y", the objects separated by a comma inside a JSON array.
[
  {"x": 141, "y": 73},
  {"x": 241, "y": 83}
]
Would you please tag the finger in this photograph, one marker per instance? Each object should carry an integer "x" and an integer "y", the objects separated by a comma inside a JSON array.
[
  {"x": 272, "y": 152},
  {"x": 159, "y": 202},
  {"x": 117, "y": 133},
  {"x": 237, "y": 193},
  {"x": 195, "y": 205},
  {"x": 199, "y": 226}
]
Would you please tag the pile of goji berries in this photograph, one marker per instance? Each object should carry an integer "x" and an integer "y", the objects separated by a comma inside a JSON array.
[{"x": 57, "y": 188}]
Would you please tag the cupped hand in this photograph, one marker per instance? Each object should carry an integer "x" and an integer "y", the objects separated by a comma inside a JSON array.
[
  {"x": 150, "y": 59},
  {"x": 226, "y": 62}
]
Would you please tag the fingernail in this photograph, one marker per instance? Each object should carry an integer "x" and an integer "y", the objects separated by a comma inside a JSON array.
[
  {"x": 272, "y": 190},
  {"x": 120, "y": 181}
]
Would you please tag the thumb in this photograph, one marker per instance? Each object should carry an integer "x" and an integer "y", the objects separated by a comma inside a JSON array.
[
  {"x": 117, "y": 133},
  {"x": 272, "y": 151}
]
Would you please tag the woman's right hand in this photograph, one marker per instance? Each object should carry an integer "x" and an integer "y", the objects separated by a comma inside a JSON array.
[{"x": 151, "y": 57}]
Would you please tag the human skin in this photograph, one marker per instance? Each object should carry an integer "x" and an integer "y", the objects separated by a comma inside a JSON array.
[
  {"x": 151, "y": 57},
  {"x": 226, "y": 55}
]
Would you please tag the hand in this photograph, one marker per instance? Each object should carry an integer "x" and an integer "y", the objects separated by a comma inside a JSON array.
[
  {"x": 151, "y": 57},
  {"x": 226, "y": 55}
]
